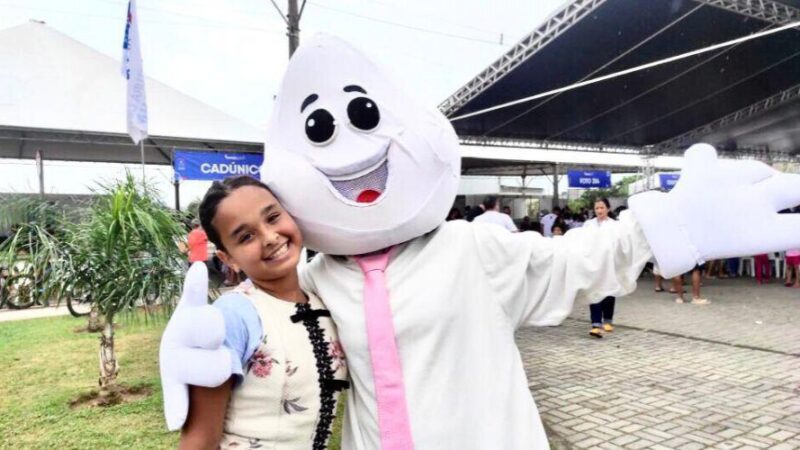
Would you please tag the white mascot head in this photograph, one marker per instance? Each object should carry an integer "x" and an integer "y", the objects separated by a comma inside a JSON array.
[{"x": 358, "y": 163}]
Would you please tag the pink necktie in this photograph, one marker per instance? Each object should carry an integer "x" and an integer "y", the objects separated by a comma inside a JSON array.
[{"x": 395, "y": 430}]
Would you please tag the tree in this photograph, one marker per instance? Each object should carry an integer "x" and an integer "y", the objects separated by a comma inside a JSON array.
[{"x": 125, "y": 255}]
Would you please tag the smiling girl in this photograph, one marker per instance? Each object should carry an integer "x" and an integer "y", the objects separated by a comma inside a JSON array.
[{"x": 288, "y": 363}]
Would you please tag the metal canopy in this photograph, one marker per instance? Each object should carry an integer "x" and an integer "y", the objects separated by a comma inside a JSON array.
[
  {"x": 744, "y": 98},
  {"x": 475, "y": 166},
  {"x": 84, "y": 146}
]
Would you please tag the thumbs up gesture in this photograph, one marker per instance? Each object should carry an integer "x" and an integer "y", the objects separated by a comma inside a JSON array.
[
  {"x": 718, "y": 209},
  {"x": 191, "y": 347}
]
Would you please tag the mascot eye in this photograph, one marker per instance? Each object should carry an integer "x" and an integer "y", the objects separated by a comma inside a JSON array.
[
  {"x": 363, "y": 113},
  {"x": 320, "y": 127}
]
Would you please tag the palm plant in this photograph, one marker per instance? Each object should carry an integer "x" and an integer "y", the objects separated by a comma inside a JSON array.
[
  {"x": 31, "y": 251},
  {"x": 125, "y": 255}
]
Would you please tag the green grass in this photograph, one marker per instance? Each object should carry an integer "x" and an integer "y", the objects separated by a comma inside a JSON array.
[{"x": 44, "y": 364}]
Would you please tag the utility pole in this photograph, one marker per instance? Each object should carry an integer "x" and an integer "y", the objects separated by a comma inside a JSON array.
[
  {"x": 292, "y": 19},
  {"x": 293, "y": 26}
]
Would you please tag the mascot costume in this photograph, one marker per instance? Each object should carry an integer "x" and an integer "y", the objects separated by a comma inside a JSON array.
[{"x": 427, "y": 312}]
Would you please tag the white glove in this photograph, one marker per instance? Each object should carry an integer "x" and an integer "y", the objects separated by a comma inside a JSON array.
[
  {"x": 191, "y": 347},
  {"x": 718, "y": 209}
]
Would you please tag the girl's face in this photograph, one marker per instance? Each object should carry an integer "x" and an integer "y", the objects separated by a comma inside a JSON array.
[
  {"x": 260, "y": 237},
  {"x": 600, "y": 210},
  {"x": 557, "y": 231}
]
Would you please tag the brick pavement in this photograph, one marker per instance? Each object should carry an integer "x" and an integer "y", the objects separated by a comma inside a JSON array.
[{"x": 680, "y": 377}]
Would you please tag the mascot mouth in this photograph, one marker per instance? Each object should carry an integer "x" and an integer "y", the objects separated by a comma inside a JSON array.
[{"x": 365, "y": 186}]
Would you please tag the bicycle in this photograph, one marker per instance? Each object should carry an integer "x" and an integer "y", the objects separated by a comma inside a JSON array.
[{"x": 19, "y": 287}]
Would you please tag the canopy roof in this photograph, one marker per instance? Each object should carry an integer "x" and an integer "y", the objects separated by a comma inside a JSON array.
[
  {"x": 61, "y": 96},
  {"x": 740, "y": 98}
]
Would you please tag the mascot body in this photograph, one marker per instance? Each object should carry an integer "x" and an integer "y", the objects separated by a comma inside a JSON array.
[{"x": 429, "y": 329}]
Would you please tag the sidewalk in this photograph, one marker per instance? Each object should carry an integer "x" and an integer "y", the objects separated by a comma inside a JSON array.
[
  {"x": 8, "y": 315},
  {"x": 725, "y": 375}
]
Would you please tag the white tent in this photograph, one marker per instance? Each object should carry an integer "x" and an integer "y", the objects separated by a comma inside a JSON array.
[{"x": 63, "y": 97}]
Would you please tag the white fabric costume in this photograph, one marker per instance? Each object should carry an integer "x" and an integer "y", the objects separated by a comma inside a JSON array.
[
  {"x": 362, "y": 168},
  {"x": 458, "y": 293}
]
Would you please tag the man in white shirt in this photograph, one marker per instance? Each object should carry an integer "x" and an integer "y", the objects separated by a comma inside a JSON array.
[
  {"x": 549, "y": 220},
  {"x": 494, "y": 216}
]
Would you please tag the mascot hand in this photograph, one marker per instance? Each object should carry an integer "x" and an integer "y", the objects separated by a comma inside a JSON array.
[
  {"x": 718, "y": 209},
  {"x": 191, "y": 347}
]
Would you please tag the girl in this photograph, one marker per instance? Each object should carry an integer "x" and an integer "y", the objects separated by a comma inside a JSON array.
[
  {"x": 289, "y": 365},
  {"x": 792, "y": 265},
  {"x": 602, "y": 313}
]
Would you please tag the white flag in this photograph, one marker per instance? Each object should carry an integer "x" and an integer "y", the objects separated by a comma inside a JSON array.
[{"x": 133, "y": 71}]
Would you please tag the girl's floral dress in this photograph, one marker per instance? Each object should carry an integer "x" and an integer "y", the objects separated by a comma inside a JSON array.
[{"x": 291, "y": 383}]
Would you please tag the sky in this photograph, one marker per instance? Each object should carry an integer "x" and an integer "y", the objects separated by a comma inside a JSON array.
[{"x": 231, "y": 54}]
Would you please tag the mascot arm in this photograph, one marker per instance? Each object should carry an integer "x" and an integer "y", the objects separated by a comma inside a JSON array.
[
  {"x": 191, "y": 347},
  {"x": 718, "y": 209},
  {"x": 536, "y": 279}
]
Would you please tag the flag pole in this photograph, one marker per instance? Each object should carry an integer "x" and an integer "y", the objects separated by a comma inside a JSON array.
[{"x": 141, "y": 148}]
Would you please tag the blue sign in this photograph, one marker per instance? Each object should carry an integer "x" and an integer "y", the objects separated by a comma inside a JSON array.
[
  {"x": 201, "y": 165},
  {"x": 589, "y": 179},
  {"x": 668, "y": 180}
]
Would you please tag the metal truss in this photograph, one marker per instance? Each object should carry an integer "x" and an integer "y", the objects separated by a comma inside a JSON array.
[
  {"x": 541, "y": 169},
  {"x": 758, "y": 153},
  {"x": 524, "y": 49},
  {"x": 552, "y": 145},
  {"x": 681, "y": 141},
  {"x": 766, "y": 10}
]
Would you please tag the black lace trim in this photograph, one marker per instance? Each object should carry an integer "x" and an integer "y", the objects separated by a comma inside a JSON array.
[
  {"x": 327, "y": 384},
  {"x": 310, "y": 314}
]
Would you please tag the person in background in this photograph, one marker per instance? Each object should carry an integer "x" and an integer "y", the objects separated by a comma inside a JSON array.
[
  {"x": 197, "y": 242},
  {"x": 697, "y": 276},
  {"x": 494, "y": 216},
  {"x": 559, "y": 229},
  {"x": 526, "y": 224},
  {"x": 732, "y": 267},
  {"x": 602, "y": 313},
  {"x": 657, "y": 276},
  {"x": 475, "y": 211},
  {"x": 454, "y": 214},
  {"x": 763, "y": 271},
  {"x": 507, "y": 210},
  {"x": 548, "y": 221},
  {"x": 716, "y": 269},
  {"x": 792, "y": 266}
]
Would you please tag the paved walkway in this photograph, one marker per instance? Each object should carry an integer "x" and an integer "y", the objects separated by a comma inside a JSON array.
[
  {"x": 8, "y": 315},
  {"x": 725, "y": 375}
]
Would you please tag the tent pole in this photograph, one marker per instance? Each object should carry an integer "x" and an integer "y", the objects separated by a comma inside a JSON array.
[
  {"x": 555, "y": 185},
  {"x": 40, "y": 169},
  {"x": 177, "y": 185},
  {"x": 141, "y": 149}
]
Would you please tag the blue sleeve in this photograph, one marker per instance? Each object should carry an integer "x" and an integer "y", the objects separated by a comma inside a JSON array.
[{"x": 242, "y": 330}]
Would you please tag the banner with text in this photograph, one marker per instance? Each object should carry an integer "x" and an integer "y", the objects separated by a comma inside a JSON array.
[
  {"x": 587, "y": 179},
  {"x": 202, "y": 165}
]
